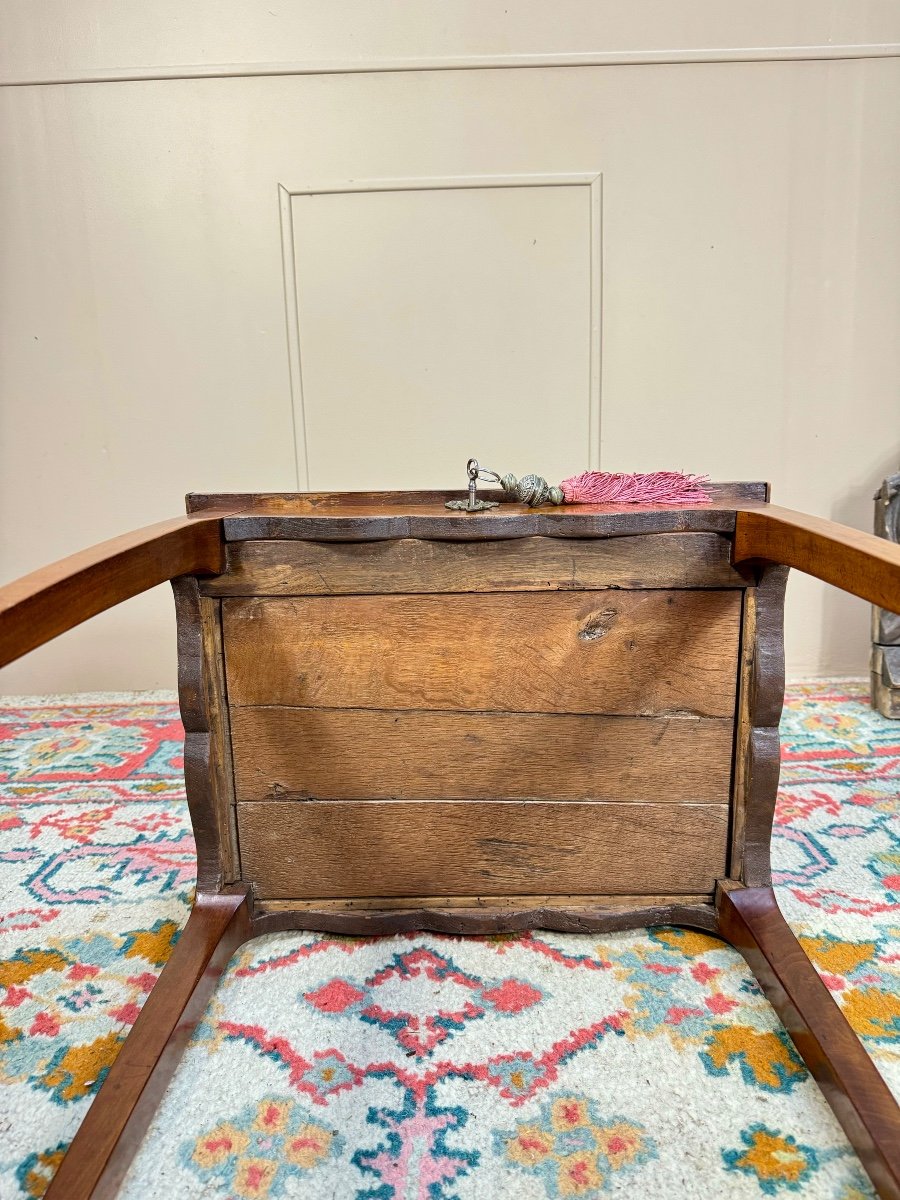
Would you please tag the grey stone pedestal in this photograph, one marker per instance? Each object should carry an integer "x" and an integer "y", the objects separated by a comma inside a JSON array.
[{"x": 885, "y": 660}]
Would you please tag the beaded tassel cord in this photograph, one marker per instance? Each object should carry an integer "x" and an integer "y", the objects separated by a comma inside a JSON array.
[{"x": 591, "y": 487}]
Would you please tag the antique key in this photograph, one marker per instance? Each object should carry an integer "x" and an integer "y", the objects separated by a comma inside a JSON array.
[{"x": 473, "y": 505}]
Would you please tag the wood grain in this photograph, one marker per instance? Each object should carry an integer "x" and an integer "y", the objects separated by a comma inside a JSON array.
[
  {"x": 751, "y": 920},
  {"x": 208, "y": 770},
  {"x": 332, "y": 754},
  {"x": 758, "y": 748},
  {"x": 647, "y": 652},
  {"x": 665, "y": 560},
  {"x": 114, "y": 1125},
  {"x": 487, "y": 920},
  {"x": 860, "y": 563},
  {"x": 359, "y": 524},
  {"x": 44, "y": 604},
  {"x": 291, "y": 850},
  {"x": 371, "y": 516},
  {"x": 721, "y": 494},
  {"x": 388, "y": 903}
]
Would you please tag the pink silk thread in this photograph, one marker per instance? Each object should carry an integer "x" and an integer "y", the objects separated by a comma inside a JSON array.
[{"x": 657, "y": 487}]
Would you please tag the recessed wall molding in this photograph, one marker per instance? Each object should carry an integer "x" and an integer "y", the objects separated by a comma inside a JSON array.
[
  {"x": 591, "y": 181},
  {"x": 748, "y": 228},
  {"x": 475, "y": 62}
]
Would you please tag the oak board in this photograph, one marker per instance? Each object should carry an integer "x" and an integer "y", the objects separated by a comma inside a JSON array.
[
  {"x": 628, "y": 652},
  {"x": 305, "y": 568},
  {"x": 341, "y": 754},
  {"x": 321, "y": 849}
]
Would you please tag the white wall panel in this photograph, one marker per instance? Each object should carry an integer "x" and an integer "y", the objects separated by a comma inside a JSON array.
[
  {"x": 750, "y": 274},
  {"x": 438, "y": 319},
  {"x": 46, "y": 40}
]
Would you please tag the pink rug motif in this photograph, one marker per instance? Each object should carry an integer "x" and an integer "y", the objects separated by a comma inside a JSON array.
[{"x": 426, "y": 1067}]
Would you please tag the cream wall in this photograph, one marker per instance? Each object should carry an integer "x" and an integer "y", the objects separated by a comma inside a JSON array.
[{"x": 349, "y": 245}]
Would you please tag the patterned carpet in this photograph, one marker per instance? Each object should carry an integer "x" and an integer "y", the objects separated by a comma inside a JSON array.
[{"x": 427, "y": 1067}]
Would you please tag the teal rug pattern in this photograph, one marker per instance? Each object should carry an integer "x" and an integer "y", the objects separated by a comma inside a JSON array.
[{"x": 425, "y": 1067}]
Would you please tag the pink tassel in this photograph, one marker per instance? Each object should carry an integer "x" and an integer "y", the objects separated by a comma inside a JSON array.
[{"x": 660, "y": 487}]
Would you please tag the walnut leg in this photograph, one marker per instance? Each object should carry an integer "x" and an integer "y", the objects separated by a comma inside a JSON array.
[
  {"x": 117, "y": 1120},
  {"x": 750, "y": 919}
]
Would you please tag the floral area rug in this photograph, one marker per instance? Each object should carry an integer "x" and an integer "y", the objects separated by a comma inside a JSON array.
[{"x": 426, "y": 1067}]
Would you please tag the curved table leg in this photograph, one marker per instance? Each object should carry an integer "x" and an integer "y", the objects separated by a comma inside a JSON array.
[
  {"x": 115, "y": 1124},
  {"x": 750, "y": 919}
]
